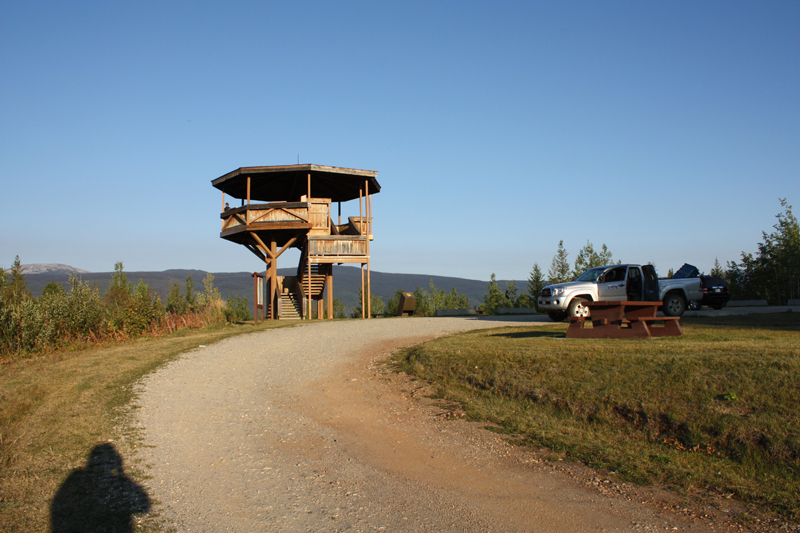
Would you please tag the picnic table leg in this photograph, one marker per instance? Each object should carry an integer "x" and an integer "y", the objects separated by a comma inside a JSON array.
[
  {"x": 575, "y": 329},
  {"x": 640, "y": 330},
  {"x": 671, "y": 328}
]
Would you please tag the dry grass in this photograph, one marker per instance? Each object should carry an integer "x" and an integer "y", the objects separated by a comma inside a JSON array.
[
  {"x": 54, "y": 409},
  {"x": 712, "y": 412}
]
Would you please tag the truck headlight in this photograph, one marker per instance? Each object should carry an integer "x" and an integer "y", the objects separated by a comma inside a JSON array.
[{"x": 557, "y": 292}]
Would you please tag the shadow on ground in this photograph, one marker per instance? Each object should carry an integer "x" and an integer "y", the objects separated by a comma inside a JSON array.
[
  {"x": 98, "y": 497},
  {"x": 531, "y": 334}
]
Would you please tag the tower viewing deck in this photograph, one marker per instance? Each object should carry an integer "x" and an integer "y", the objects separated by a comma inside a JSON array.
[{"x": 285, "y": 207}]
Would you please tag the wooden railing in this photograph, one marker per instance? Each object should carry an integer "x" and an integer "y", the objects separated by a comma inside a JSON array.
[
  {"x": 314, "y": 214},
  {"x": 337, "y": 245},
  {"x": 361, "y": 225}
]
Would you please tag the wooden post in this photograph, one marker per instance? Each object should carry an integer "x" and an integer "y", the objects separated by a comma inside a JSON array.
[
  {"x": 266, "y": 311},
  {"x": 362, "y": 291},
  {"x": 273, "y": 284},
  {"x": 248, "y": 190},
  {"x": 309, "y": 186},
  {"x": 367, "y": 226},
  {"x": 329, "y": 286}
]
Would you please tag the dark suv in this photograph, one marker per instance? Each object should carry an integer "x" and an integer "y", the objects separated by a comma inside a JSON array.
[{"x": 715, "y": 293}]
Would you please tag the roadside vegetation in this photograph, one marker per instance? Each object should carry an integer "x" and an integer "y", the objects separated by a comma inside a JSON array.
[
  {"x": 711, "y": 413},
  {"x": 80, "y": 316},
  {"x": 427, "y": 302}
]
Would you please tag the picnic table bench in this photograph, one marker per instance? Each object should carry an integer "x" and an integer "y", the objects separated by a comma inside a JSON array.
[{"x": 624, "y": 320}]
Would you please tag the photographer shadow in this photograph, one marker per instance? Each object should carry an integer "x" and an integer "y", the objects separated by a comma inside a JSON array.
[{"x": 98, "y": 497}]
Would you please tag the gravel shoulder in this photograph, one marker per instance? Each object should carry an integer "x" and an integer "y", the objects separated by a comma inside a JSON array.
[{"x": 302, "y": 429}]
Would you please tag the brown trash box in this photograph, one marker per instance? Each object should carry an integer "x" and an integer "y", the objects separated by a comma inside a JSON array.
[{"x": 408, "y": 302}]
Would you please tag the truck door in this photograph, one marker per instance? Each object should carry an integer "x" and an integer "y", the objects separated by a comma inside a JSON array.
[
  {"x": 634, "y": 287},
  {"x": 611, "y": 285},
  {"x": 650, "y": 284}
]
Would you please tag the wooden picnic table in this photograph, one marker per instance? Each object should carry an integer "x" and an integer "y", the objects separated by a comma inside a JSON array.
[{"x": 624, "y": 320}]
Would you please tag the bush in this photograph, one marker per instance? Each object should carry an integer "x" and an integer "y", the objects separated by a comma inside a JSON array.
[
  {"x": 29, "y": 324},
  {"x": 59, "y": 318},
  {"x": 236, "y": 310}
]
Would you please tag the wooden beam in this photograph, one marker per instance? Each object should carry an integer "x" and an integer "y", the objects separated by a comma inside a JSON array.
[
  {"x": 362, "y": 290},
  {"x": 248, "y": 190},
  {"x": 256, "y": 251},
  {"x": 273, "y": 286},
  {"x": 289, "y": 243},
  {"x": 329, "y": 287},
  {"x": 264, "y": 247},
  {"x": 368, "y": 230},
  {"x": 308, "y": 283}
]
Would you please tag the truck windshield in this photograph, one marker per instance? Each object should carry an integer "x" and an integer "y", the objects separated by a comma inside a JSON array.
[{"x": 591, "y": 275}]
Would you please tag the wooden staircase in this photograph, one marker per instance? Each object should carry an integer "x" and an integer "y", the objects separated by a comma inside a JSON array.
[
  {"x": 317, "y": 277},
  {"x": 294, "y": 290},
  {"x": 290, "y": 307}
]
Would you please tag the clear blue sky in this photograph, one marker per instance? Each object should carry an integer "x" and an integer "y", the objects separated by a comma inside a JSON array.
[{"x": 666, "y": 130}]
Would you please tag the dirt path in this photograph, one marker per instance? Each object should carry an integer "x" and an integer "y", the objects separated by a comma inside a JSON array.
[{"x": 300, "y": 429}]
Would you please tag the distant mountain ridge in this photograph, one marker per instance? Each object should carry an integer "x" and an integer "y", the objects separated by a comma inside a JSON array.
[
  {"x": 51, "y": 268},
  {"x": 346, "y": 282}
]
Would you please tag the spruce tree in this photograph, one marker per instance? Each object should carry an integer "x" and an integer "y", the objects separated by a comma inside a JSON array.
[
  {"x": 559, "y": 268},
  {"x": 15, "y": 287},
  {"x": 589, "y": 258},
  {"x": 717, "y": 270},
  {"x": 535, "y": 285}
]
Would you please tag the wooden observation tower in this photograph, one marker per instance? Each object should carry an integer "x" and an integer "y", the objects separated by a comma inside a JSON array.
[{"x": 286, "y": 207}]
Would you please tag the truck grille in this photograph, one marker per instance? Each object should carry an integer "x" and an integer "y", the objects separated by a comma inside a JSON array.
[{"x": 546, "y": 292}]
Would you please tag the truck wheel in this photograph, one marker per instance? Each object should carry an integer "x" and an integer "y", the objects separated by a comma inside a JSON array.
[
  {"x": 577, "y": 308},
  {"x": 674, "y": 305},
  {"x": 557, "y": 316}
]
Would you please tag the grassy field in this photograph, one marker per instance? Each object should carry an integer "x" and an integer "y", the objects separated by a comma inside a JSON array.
[
  {"x": 713, "y": 412},
  {"x": 55, "y": 409}
]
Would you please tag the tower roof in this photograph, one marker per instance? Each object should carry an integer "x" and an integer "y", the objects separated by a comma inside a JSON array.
[{"x": 288, "y": 183}]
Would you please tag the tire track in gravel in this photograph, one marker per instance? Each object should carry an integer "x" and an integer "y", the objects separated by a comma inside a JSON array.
[{"x": 297, "y": 429}]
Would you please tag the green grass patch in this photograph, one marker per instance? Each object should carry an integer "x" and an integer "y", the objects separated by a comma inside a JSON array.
[
  {"x": 713, "y": 411},
  {"x": 55, "y": 409}
]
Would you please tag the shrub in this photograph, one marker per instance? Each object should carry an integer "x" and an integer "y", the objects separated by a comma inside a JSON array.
[{"x": 236, "y": 310}]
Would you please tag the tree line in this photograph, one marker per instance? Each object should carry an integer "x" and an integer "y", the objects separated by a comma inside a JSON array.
[
  {"x": 80, "y": 314},
  {"x": 772, "y": 273}
]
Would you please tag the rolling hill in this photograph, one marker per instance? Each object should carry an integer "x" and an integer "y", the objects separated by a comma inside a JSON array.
[{"x": 346, "y": 282}]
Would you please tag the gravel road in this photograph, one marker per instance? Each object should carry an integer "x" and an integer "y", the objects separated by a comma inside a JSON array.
[{"x": 302, "y": 429}]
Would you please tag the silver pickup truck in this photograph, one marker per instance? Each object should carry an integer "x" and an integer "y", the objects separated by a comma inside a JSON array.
[{"x": 619, "y": 282}]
